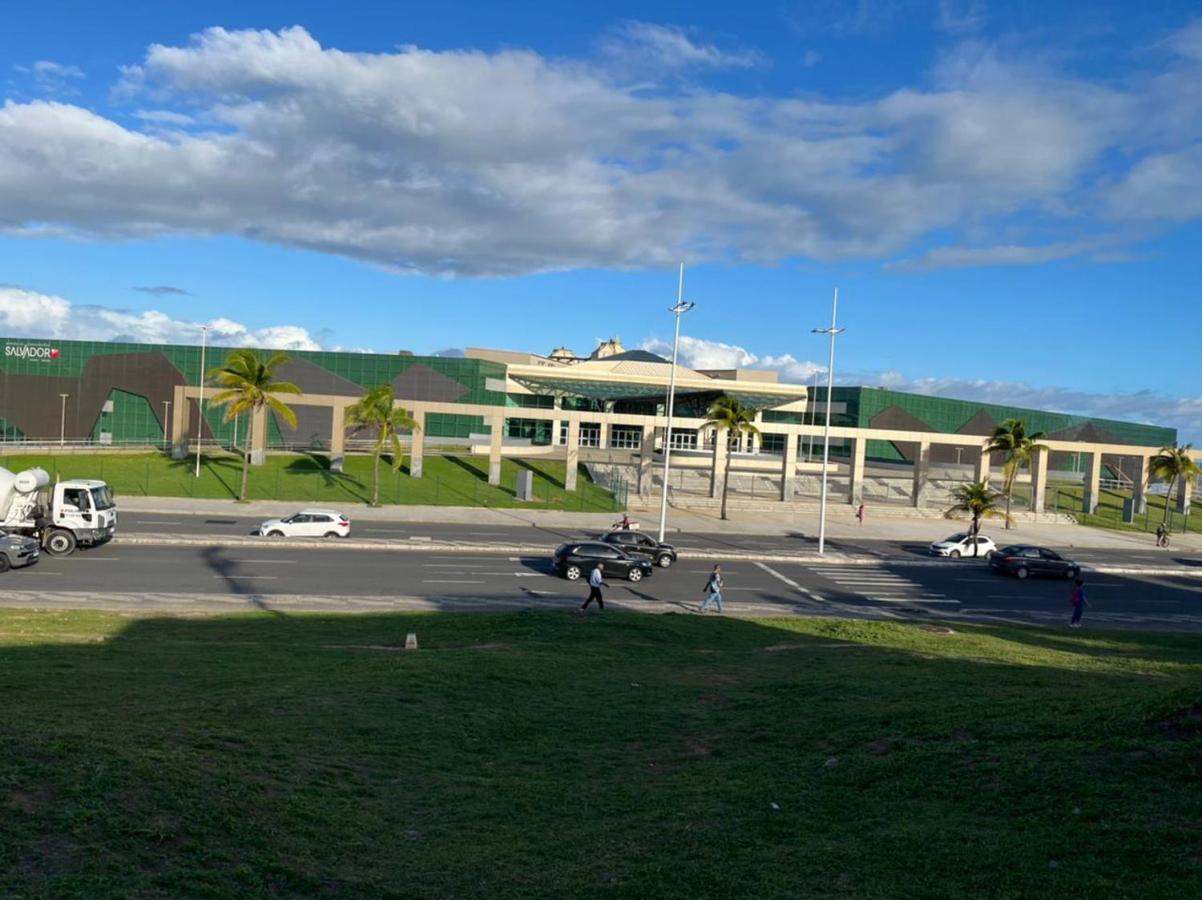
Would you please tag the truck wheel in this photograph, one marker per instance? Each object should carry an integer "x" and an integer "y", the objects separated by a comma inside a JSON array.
[
  {"x": 60, "y": 543},
  {"x": 4, "y": 563}
]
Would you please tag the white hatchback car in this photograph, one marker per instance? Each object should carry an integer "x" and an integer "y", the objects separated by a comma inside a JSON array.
[
  {"x": 308, "y": 523},
  {"x": 960, "y": 544}
]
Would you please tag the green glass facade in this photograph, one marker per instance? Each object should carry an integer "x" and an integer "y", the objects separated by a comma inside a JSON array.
[{"x": 139, "y": 379}]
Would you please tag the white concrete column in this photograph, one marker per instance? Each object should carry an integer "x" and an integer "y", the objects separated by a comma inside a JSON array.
[
  {"x": 180, "y": 427},
  {"x": 603, "y": 435},
  {"x": 1185, "y": 491},
  {"x": 572, "y": 459},
  {"x": 1039, "y": 480},
  {"x": 646, "y": 459},
  {"x": 1093, "y": 480},
  {"x": 417, "y": 449},
  {"x": 788, "y": 472},
  {"x": 337, "y": 437},
  {"x": 922, "y": 467},
  {"x": 856, "y": 467},
  {"x": 718, "y": 466},
  {"x": 258, "y": 436},
  {"x": 1139, "y": 487},
  {"x": 984, "y": 461},
  {"x": 496, "y": 436}
]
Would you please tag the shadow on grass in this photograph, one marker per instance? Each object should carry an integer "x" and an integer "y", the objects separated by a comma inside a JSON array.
[
  {"x": 310, "y": 463},
  {"x": 275, "y": 744},
  {"x": 539, "y": 473}
]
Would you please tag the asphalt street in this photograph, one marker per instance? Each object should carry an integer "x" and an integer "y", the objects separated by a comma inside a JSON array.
[
  {"x": 183, "y": 579},
  {"x": 138, "y": 523}
]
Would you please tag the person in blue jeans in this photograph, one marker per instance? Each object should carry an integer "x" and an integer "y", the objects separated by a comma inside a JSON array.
[
  {"x": 713, "y": 590},
  {"x": 1079, "y": 602}
]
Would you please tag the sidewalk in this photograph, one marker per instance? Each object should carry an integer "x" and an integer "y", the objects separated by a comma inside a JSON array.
[{"x": 841, "y": 524}]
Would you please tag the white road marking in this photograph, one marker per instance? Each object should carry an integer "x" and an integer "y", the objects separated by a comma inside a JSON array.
[
  {"x": 786, "y": 580},
  {"x": 917, "y": 601}
]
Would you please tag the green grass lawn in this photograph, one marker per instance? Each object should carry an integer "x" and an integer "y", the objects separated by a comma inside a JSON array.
[
  {"x": 1110, "y": 510},
  {"x": 460, "y": 480},
  {"x": 540, "y": 754}
]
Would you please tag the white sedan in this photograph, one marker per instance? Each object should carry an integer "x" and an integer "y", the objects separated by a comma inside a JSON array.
[
  {"x": 308, "y": 523},
  {"x": 961, "y": 544}
]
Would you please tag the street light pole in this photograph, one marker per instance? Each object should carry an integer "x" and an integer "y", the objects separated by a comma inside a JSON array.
[
  {"x": 678, "y": 310},
  {"x": 166, "y": 412},
  {"x": 62, "y": 425},
  {"x": 200, "y": 426},
  {"x": 826, "y": 438}
]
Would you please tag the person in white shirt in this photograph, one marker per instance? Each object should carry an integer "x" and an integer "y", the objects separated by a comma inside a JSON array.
[{"x": 595, "y": 583}]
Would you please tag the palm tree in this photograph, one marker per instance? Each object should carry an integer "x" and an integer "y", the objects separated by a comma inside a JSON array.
[
  {"x": 727, "y": 415},
  {"x": 1170, "y": 464},
  {"x": 979, "y": 501},
  {"x": 377, "y": 409},
  {"x": 1011, "y": 439},
  {"x": 250, "y": 386}
]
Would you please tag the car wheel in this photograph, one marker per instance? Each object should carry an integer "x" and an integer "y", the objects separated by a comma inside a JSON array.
[
  {"x": 60, "y": 543},
  {"x": 635, "y": 574},
  {"x": 5, "y": 565},
  {"x": 1021, "y": 572},
  {"x": 664, "y": 561},
  {"x": 275, "y": 533},
  {"x": 955, "y": 554},
  {"x": 572, "y": 573},
  {"x": 331, "y": 534},
  {"x": 1071, "y": 573}
]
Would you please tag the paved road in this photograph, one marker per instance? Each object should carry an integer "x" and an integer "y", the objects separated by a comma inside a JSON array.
[
  {"x": 207, "y": 578},
  {"x": 152, "y": 523}
]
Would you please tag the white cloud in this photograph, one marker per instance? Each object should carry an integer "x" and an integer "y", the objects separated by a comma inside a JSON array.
[
  {"x": 50, "y": 77},
  {"x": 698, "y": 353},
  {"x": 25, "y": 313},
  {"x": 644, "y": 46},
  {"x": 1183, "y": 413},
  {"x": 1002, "y": 255},
  {"x": 472, "y": 163}
]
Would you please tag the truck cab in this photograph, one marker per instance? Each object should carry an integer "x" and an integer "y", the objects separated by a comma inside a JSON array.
[{"x": 82, "y": 512}]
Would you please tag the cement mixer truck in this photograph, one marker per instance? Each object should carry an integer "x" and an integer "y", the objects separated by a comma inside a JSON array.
[{"x": 61, "y": 516}]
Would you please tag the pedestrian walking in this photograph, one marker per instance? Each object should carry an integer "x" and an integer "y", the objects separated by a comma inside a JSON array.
[
  {"x": 713, "y": 590},
  {"x": 1162, "y": 536},
  {"x": 860, "y": 514},
  {"x": 595, "y": 583},
  {"x": 1078, "y": 601}
]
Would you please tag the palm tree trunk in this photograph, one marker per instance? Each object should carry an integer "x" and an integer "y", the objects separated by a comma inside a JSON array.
[
  {"x": 375, "y": 479},
  {"x": 726, "y": 478},
  {"x": 976, "y": 529},
  {"x": 245, "y": 475}
]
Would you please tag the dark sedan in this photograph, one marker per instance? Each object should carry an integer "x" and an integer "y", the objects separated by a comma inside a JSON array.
[
  {"x": 577, "y": 558},
  {"x": 639, "y": 544},
  {"x": 1021, "y": 560}
]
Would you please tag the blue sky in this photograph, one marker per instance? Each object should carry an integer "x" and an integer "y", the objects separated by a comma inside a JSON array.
[{"x": 1006, "y": 194}]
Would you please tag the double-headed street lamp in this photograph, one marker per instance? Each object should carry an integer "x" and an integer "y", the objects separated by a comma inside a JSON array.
[
  {"x": 826, "y": 439},
  {"x": 678, "y": 310}
]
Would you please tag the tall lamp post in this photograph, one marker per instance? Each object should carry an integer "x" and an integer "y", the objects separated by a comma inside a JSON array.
[
  {"x": 200, "y": 426},
  {"x": 678, "y": 310},
  {"x": 62, "y": 425},
  {"x": 826, "y": 438}
]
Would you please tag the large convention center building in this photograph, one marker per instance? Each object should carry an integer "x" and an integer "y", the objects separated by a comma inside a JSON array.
[{"x": 608, "y": 406}]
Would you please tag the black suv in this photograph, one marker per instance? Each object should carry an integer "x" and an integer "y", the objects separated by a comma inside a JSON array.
[
  {"x": 1021, "y": 560},
  {"x": 576, "y": 558},
  {"x": 639, "y": 544}
]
